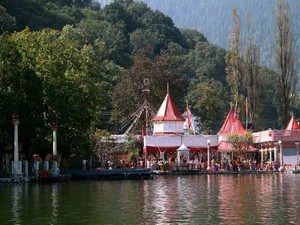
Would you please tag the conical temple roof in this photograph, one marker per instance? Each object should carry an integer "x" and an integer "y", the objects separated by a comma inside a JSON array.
[
  {"x": 232, "y": 125},
  {"x": 168, "y": 111},
  {"x": 293, "y": 124},
  {"x": 183, "y": 147}
]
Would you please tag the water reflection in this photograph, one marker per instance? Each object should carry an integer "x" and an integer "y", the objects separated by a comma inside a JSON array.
[
  {"x": 180, "y": 200},
  {"x": 16, "y": 204},
  {"x": 222, "y": 199},
  {"x": 54, "y": 204},
  {"x": 237, "y": 200},
  {"x": 204, "y": 199}
]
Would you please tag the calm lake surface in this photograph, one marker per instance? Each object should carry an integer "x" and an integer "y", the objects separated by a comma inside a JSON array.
[{"x": 196, "y": 199}]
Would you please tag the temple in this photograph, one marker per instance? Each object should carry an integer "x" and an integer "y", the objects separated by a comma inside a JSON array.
[{"x": 171, "y": 139}]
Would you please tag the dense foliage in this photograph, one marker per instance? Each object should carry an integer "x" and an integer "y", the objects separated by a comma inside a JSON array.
[
  {"x": 213, "y": 19},
  {"x": 73, "y": 63}
]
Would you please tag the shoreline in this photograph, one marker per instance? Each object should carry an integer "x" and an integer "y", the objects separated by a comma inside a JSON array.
[{"x": 131, "y": 174}]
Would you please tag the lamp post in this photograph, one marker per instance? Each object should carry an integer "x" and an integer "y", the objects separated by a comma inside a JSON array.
[
  {"x": 54, "y": 128},
  {"x": 280, "y": 149},
  {"x": 208, "y": 155},
  {"x": 16, "y": 121}
]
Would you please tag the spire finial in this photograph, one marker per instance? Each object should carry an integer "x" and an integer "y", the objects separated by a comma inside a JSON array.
[{"x": 168, "y": 88}]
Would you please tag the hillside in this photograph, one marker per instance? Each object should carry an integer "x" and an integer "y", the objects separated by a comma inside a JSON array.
[{"x": 213, "y": 19}]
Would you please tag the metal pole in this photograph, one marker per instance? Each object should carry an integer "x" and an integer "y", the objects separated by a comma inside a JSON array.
[
  {"x": 16, "y": 122},
  {"x": 261, "y": 158},
  {"x": 208, "y": 156},
  {"x": 54, "y": 129},
  {"x": 54, "y": 144}
]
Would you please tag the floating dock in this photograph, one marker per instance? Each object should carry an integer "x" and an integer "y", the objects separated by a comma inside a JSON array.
[{"x": 115, "y": 174}]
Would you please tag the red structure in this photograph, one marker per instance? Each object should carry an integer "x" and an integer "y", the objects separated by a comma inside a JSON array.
[
  {"x": 231, "y": 125},
  {"x": 168, "y": 134},
  {"x": 293, "y": 124}
]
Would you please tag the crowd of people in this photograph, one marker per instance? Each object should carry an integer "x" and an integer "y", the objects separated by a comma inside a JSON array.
[
  {"x": 171, "y": 163},
  {"x": 223, "y": 164}
]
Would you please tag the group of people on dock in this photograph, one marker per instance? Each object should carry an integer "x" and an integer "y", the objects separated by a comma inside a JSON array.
[{"x": 223, "y": 164}]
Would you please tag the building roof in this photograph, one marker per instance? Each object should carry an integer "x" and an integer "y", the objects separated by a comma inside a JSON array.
[
  {"x": 195, "y": 143},
  {"x": 232, "y": 125},
  {"x": 168, "y": 111},
  {"x": 225, "y": 146},
  {"x": 293, "y": 124}
]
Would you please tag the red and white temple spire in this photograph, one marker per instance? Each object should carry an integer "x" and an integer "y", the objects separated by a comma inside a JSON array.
[
  {"x": 293, "y": 124},
  {"x": 168, "y": 119}
]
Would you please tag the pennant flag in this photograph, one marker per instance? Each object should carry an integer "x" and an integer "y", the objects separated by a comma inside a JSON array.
[
  {"x": 189, "y": 117},
  {"x": 234, "y": 118}
]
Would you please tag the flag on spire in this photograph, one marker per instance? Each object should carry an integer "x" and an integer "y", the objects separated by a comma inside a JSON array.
[
  {"x": 234, "y": 118},
  {"x": 189, "y": 117}
]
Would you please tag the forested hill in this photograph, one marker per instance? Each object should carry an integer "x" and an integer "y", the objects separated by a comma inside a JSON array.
[
  {"x": 213, "y": 19},
  {"x": 90, "y": 61}
]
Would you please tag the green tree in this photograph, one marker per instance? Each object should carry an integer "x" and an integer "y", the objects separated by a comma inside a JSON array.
[
  {"x": 36, "y": 15},
  {"x": 116, "y": 13},
  {"x": 241, "y": 142},
  {"x": 285, "y": 62},
  {"x": 268, "y": 86},
  {"x": 253, "y": 82},
  {"x": 99, "y": 33},
  {"x": 233, "y": 68},
  {"x": 207, "y": 59},
  {"x": 162, "y": 27},
  {"x": 193, "y": 37},
  {"x": 67, "y": 73},
  {"x": 208, "y": 100},
  {"x": 131, "y": 147}
]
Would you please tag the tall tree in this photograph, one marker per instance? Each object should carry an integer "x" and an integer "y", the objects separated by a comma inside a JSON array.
[
  {"x": 285, "y": 61},
  {"x": 233, "y": 59},
  {"x": 252, "y": 82},
  {"x": 66, "y": 74}
]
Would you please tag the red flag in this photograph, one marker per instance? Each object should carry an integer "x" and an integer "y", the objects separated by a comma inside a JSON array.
[
  {"x": 234, "y": 118},
  {"x": 189, "y": 117}
]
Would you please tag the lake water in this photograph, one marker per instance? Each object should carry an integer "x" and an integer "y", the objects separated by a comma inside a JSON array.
[{"x": 196, "y": 199}]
